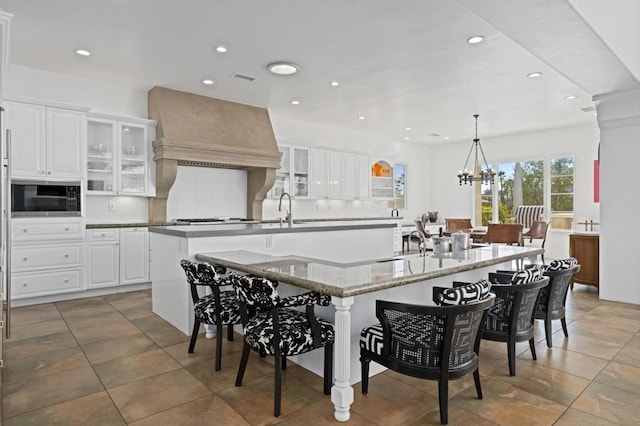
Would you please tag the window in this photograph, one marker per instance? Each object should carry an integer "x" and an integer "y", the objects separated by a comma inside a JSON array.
[
  {"x": 561, "y": 181},
  {"x": 400, "y": 186},
  {"x": 519, "y": 184}
]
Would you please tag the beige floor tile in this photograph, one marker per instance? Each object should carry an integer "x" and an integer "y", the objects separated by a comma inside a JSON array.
[
  {"x": 136, "y": 312},
  {"x": 573, "y": 417},
  {"x": 83, "y": 307},
  {"x": 593, "y": 346},
  {"x": 132, "y": 300},
  {"x": 391, "y": 402},
  {"x": 38, "y": 365},
  {"x": 622, "y": 376},
  {"x": 320, "y": 413},
  {"x": 505, "y": 404},
  {"x": 204, "y": 350},
  {"x": 254, "y": 399},
  {"x": 108, "y": 330},
  {"x": 601, "y": 331},
  {"x": 143, "y": 398},
  {"x": 38, "y": 392},
  {"x": 431, "y": 386},
  {"x": 17, "y": 349},
  {"x": 167, "y": 336},
  {"x": 209, "y": 410},
  {"x": 95, "y": 409},
  {"x": 609, "y": 403},
  {"x": 94, "y": 320},
  {"x": 456, "y": 416},
  {"x": 106, "y": 350},
  {"x": 575, "y": 363},
  {"x": 545, "y": 382},
  {"x": 150, "y": 322},
  {"x": 36, "y": 313},
  {"x": 38, "y": 329},
  {"x": 135, "y": 367},
  {"x": 630, "y": 354}
]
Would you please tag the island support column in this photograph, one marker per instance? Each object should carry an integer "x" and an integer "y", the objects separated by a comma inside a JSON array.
[{"x": 342, "y": 391}]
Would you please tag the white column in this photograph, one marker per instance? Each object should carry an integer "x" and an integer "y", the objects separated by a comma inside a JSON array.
[
  {"x": 619, "y": 122},
  {"x": 342, "y": 391}
]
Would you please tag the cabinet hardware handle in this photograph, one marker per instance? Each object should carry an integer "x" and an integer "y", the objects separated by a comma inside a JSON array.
[
  {"x": 104, "y": 235},
  {"x": 49, "y": 172},
  {"x": 66, "y": 228},
  {"x": 24, "y": 230},
  {"x": 24, "y": 284},
  {"x": 66, "y": 280},
  {"x": 24, "y": 259},
  {"x": 66, "y": 255}
]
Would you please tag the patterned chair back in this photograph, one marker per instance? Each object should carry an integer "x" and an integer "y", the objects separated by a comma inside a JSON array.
[
  {"x": 526, "y": 215},
  {"x": 560, "y": 272},
  {"x": 201, "y": 274},
  {"x": 255, "y": 292}
]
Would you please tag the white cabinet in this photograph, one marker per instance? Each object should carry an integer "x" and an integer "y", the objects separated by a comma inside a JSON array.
[
  {"x": 382, "y": 180},
  {"x": 47, "y": 142},
  {"x": 47, "y": 256},
  {"x": 134, "y": 255},
  {"x": 326, "y": 167},
  {"x": 117, "y": 257},
  {"x": 293, "y": 175},
  {"x": 355, "y": 176},
  {"x": 118, "y": 155}
]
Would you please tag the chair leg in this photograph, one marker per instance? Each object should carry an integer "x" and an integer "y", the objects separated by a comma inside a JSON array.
[
  {"x": 194, "y": 335},
  {"x": 443, "y": 398},
  {"x": 547, "y": 332},
  {"x": 511, "y": 355},
  {"x": 243, "y": 363},
  {"x": 364, "y": 365},
  {"x": 532, "y": 346},
  {"x": 284, "y": 362},
  {"x": 278, "y": 386},
  {"x": 230, "y": 332},
  {"x": 328, "y": 368},
  {"x": 476, "y": 380},
  {"x": 564, "y": 326},
  {"x": 218, "y": 347}
]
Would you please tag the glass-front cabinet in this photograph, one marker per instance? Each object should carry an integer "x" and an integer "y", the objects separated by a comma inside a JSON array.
[
  {"x": 382, "y": 180},
  {"x": 293, "y": 175},
  {"x": 118, "y": 155}
]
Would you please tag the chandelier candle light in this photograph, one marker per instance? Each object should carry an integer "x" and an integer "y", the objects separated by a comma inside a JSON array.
[{"x": 485, "y": 173}]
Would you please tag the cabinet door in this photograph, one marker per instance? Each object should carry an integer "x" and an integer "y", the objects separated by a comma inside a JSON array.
[
  {"x": 283, "y": 174},
  {"x": 300, "y": 168},
  {"x": 318, "y": 174},
  {"x": 134, "y": 255},
  {"x": 101, "y": 146},
  {"x": 349, "y": 176},
  {"x": 334, "y": 172},
  {"x": 363, "y": 177},
  {"x": 64, "y": 143},
  {"x": 27, "y": 125},
  {"x": 133, "y": 155},
  {"x": 102, "y": 263}
]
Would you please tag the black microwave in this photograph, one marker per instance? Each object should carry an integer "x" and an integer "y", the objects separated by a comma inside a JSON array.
[{"x": 45, "y": 198}]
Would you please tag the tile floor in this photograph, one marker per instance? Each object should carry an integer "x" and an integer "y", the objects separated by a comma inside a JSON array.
[{"x": 110, "y": 361}]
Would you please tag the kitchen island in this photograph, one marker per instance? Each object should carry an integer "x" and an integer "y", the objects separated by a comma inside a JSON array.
[
  {"x": 334, "y": 241},
  {"x": 355, "y": 286}
]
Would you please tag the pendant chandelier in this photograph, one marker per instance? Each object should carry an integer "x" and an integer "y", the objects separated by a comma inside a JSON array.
[{"x": 481, "y": 172}]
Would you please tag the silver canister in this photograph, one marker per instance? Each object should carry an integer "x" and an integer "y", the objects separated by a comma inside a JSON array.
[
  {"x": 441, "y": 245},
  {"x": 460, "y": 241}
]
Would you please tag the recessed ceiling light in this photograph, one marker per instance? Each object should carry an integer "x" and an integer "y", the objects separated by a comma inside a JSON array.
[
  {"x": 475, "y": 39},
  {"x": 407, "y": 128},
  {"x": 283, "y": 68},
  {"x": 294, "y": 102},
  {"x": 221, "y": 49},
  {"x": 207, "y": 81},
  {"x": 569, "y": 97},
  {"x": 447, "y": 137},
  {"x": 83, "y": 52},
  {"x": 334, "y": 83},
  {"x": 362, "y": 117},
  {"x": 534, "y": 74},
  {"x": 406, "y": 138}
]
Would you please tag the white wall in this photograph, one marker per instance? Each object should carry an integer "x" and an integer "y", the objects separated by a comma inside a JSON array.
[{"x": 581, "y": 142}]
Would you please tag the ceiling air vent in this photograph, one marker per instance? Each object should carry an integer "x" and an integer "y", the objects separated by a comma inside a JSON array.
[
  {"x": 588, "y": 109},
  {"x": 243, "y": 77}
]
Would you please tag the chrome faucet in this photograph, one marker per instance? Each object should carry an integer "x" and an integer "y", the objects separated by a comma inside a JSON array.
[
  {"x": 397, "y": 213},
  {"x": 289, "y": 216}
]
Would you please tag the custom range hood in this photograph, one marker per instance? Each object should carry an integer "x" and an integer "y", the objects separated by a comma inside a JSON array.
[{"x": 199, "y": 131}]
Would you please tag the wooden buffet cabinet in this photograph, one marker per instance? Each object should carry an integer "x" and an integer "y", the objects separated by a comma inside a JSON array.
[{"x": 586, "y": 249}]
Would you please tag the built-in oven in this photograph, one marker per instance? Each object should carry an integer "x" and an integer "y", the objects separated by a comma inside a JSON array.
[{"x": 45, "y": 198}]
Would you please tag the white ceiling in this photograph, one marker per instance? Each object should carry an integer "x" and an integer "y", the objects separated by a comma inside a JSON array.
[{"x": 400, "y": 63}]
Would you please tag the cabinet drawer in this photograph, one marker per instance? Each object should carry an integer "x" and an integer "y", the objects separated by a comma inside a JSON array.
[
  {"x": 46, "y": 283},
  {"x": 44, "y": 230},
  {"x": 40, "y": 257},
  {"x": 103, "y": 234}
]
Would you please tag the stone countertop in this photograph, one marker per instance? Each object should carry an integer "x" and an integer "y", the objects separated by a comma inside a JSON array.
[
  {"x": 345, "y": 280},
  {"x": 117, "y": 225},
  {"x": 221, "y": 230}
]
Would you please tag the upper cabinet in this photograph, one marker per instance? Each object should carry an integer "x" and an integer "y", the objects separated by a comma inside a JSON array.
[
  {"x": 382, "y": 180},
  {"x": 325, "y": 174},
  {"x": 46, "y": 142},
  {"x": 5, "y": 38},
  {"x": 293, "y": 175},
  {"x": 355, "y": 176},
  {"x": 118, "y": 155}
]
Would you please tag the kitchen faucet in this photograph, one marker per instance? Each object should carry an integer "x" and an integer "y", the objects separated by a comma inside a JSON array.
[
  {"x": 397, "y": 213},
  {"x": 289, "y": 216}
]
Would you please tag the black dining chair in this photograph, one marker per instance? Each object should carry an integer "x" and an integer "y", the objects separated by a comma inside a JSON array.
[
  {"x": 271, "y": 327},
  {"x": 219, "y": 308},
  {"x": 429, "y": 342}
]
